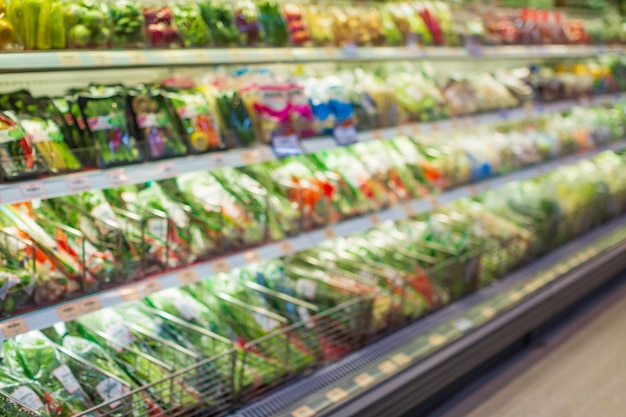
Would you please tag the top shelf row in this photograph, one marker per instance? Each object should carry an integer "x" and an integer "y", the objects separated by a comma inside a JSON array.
[{"x": 73, "y": 60}]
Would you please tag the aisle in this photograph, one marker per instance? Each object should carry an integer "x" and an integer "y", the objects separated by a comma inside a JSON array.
[{"x": 579, "y": 372}]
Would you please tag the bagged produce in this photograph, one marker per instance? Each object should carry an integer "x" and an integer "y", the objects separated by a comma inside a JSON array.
[
  {"x": 87, "y": 24},
  {"x": 161, "y": 30},
  {"x": 128, "y": 24},
  {"x": 18, "y": 158},
  {"x": 271, "y": 19},
  {"x": 220, "y": 18},
  {"x": 191, "y": 26},
  {"x": 248, "y": 23}
]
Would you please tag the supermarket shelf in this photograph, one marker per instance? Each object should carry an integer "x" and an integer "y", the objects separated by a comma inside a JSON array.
[
  {"x": 405, "y": 370},
  {"x": 45, "y": 317},
  {"x": 15, "y": 62},
  {"x": 61, "y": 185}
]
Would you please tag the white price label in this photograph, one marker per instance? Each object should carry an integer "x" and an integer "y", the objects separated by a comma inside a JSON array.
[
  {"x": 167, "y": 170},
  {"x": 364, "y": 380},
  {"x": 336, "y": 395},
  {"x": 137, "y": 57},
  {"x": 32, "y": 190},
  {"x": 89, "y": 305},
  {"x": 101, "y": 59},
  {"x": 110, "y": 389},
  {"x": 345, "y": 135},
  {"x": 78, "y": 183},
  {"x": 28, "y": 397},
  {"x": 188, "y": 276},
  {"x": 117, "y": 177},
  {"x": 218, "y": 160},
  {"x": 287, "y": 145},
  {"x": 65, "y": 376},
  {"x": 69, "y": 59}
]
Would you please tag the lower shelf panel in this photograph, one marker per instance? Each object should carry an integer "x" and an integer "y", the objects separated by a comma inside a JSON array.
[{"x": 408, "y": 368}]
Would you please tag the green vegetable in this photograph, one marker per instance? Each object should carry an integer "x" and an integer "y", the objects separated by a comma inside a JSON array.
[
  {"x": 32, "y": 9},
  {"x": 220, "y": 18},
  {"x": 44, "y": 25},
  {"x": 128, "y": 22},
  {"x": 274, "y": 26},
  {"x": 58, "y": 37},
  {"x": 47, "y": 138},
  {"x": 18, "y": 158},
  {"x": 189, "y": 22}
]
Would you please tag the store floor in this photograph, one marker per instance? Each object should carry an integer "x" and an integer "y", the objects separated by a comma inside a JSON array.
[{"x": 577, "y": 371}]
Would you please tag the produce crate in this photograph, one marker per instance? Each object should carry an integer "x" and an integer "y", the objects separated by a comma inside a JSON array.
[{"x": 341, "y": 330}]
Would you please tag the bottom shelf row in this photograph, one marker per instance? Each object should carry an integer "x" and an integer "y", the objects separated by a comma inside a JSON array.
[{"x": 214, "y": 346}]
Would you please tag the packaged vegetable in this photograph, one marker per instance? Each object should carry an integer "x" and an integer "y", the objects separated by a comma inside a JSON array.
[
  {"x": 191, "y": 26},
  {"x": 47, "y": 138},
  {"x": 161, "y": 30},
  {"x": 155, "y": 124},
  {"x": 248, "y": 23},
  {"x": 106, "y": 121},
  {"x": 87, "y": 24},
  {"x": 271, "y": 19},
  {"x": 234, "y": 117},
  {"x": 294, "y": 14},
  {"x": 198, "y": 124},
  {"x": 220, "y": 18},
  {"x": 17, "y": 156},
  {"x": 128, "y": 24}
]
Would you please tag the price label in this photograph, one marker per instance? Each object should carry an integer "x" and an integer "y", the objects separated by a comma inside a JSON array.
[
  {"x": 375, "y": 219},
  {"x": 286, "y": 145},
  {"x": 221, "y": 266},
  {"x": 345, "y": 135},
  {"x": 408, "y": 209},
  {"x": 78, "y": 183},
  {"x": 330, "y": 53},
  {"x": 101, "y": 59},
  {"x": 14, "y": 327},
  {"x": 117, "y": 177},
  {"x": 454, "y": 123},
  {"x": 515, "y": 296},
  {"x": 364, "y": 380},
  {"x": 401, "y": 359},
  {"x": 488, "y": 312},
  {"x": 69, "y": 312},
  {"x": 32, "y": 190},
  {"x": 463, "y": 324},
  {"x": 286, "y": 247},
  {"x": 69, "y": 59},
  {"x": 473, "y": 191},
  {"x": 252, "y": 257},
  {"x": 377, "y": 134},
  {"x": 387, "y": 367},
  {"x": 151, "y": 286},
  {"x": 304, "y": 411},
  {"x": 415, "y": 129},
  {"x": 436, "y": 340},
  {"x": 336, "y": 395},
  {"x": 89, "y": 305},
  {"x": 434, "y": 202},
  {"x": 400, "y": 131},
  {"x": 434, "y": 126},
  {"x": 330, "y": 233},
  {"x": 251, "y": 157},
  {"x": 189, "y": 276},
  {"x": 167, "y": 170},
  {"x": 350, "y": 51},
  {"x": 137, "y": 57},
  {"x": 236, "y": 55},
  {"x": 130, "y": 293}
]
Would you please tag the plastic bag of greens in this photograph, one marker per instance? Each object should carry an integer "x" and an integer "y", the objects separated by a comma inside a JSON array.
[
  {"x": 42, "y": 362},
  {"x": 220, "y": 18},
  {"x": 19, "y": 387},
  {"x": 235, "y": 119},
  {"x": 47, "y": 138},
  {"x": 18, "y": 157},
  {"x": 274, "y": 27},
  {"x": 106, "y": 121},
  {"x": 88, "y": 24},
  {"x": 128, "y": 24},
  {"x": 248, "y": 23},
  {"x": 198, "y": 125},
  {"x": 155, "y": 124},
  {"x": 192, "y": 27}
]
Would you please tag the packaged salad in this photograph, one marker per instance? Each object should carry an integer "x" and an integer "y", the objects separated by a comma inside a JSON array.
[
  {"x": 47, "y": 138},
  {"x": 106, "y": 121},
  {"x": 294, "y": 14},
  {"x": 193, "y": 29},
  {"x": 271, "y": 19},
  {"x": 248, "y": 23},
  {"x": 220, "y": 18},
  {"x": 18, "y": 157},
  {"x": 88, "y": 24},
  {"x": 128, "y": 24},
  {"x": 154, "y": 124},
  {"x": 160, "y": 27}
]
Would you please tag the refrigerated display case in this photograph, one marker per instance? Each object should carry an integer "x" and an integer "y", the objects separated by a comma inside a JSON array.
[{"x": 261, "y": 209}]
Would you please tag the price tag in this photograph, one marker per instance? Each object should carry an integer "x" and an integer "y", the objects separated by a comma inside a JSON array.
[
  {"x": 330, "y": 233},
  {"x": 401, "y": 359},
  {"x": 130, "y": 293},
  {"x": 408, "y": 209},
  {"x": 345, "y": 135},
  {"x": 69, "y": 312},
  {"x": 151, "y": 286},
  {"x": 167, "y": 170},
  {"x": 251, "y": 157},
  {"x": 101, "y": 59},
  {"x": 488, "y": 312},
  {"x": 117, "y": 177},
  {"x": 375, "y": 219},
  {"x": 473, "y": 191},
  {"x": 32, "y": 190},
  {"x": 463, "y": 324},
  {"x": 189, "y": 276},
  {"x": 434, "y": 126},
  {"x": 336, "y": 395},
  {"x": 89, "y": 305},
  {"x": 377, "y": 134},
  {"x": 415, "y": 129},
  {"x": 350, "y": 51},
  {"x": 330, "y": 53},
  {"x": 137, "y": 57},
  {"x": 436, "y": 340},
  {"x": 454, "y": 123},
  {"x": 434, "y": 202},
  {"x": 387, "y": 367},
  {"x": 515, "y": 296},
  {"x": 14, "y": 327},
  {"x": 221, "y": 266},
  {"x": 304, "y": 411},
  {"x": 78, "y": 183},
  {"x": 252, "y": 257},
  {"x": 287, "y": 145},
  {"x": 286, "y": 247},
  {"x": 364, "y": 380},
  {"x": 69, "y": 59},
  {"x": 400, "y": 131},
  {"x": 236, "y": 55}
]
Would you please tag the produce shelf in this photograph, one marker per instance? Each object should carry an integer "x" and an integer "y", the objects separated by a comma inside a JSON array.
[
  {"x": 18, "y": 62},
  {"x": 404, "y": 370},
  {"x": 45, "y": 317},
  {"x": 62, "y": 185}
]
